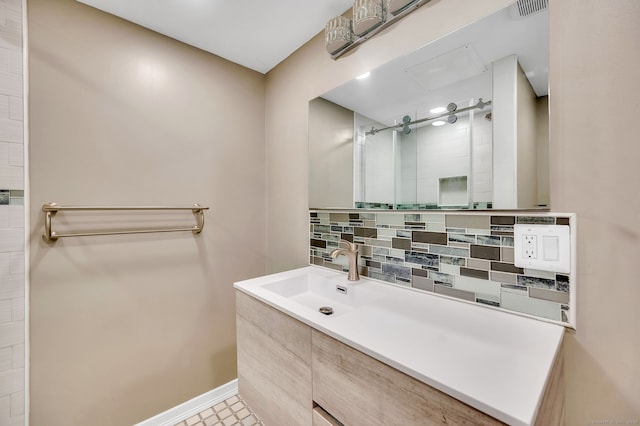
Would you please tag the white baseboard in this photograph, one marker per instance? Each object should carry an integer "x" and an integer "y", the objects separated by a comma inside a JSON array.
[{"x": 194, "y": 406}]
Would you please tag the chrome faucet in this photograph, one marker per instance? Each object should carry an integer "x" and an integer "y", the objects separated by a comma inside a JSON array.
[{"x": 352, "y": 255}]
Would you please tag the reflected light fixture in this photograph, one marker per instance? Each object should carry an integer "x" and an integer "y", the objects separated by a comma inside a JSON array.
[
  {"x": 363, "y": 76},
  {"x": 439, "y": 123},
  {"x": 437, "y": 110}
]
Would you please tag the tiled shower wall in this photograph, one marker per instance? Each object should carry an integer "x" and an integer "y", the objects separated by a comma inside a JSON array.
[
  {"x": 466, "y": 256},
  {"x": 12, "y": 237}
]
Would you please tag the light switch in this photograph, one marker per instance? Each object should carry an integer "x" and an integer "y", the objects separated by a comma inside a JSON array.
[
  {"x": 550, "y": 248},
  {"x": 542, "y": 247}
]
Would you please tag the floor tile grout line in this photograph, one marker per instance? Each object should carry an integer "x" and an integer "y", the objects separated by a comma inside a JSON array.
[{"x": 214, "y": 419}]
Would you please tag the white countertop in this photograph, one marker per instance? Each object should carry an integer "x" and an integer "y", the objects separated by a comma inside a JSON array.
[{"x": 491, "y": 360}]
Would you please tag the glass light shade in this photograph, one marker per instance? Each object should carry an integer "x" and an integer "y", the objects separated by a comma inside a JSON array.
[
  {"x": 367, "y": 14},
  {"x": 338, "y": 34}
]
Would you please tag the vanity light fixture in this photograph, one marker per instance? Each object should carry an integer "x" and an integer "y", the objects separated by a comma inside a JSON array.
[
  {"x": 437, "y": 110},
  {"x": 369, "y": 17},
  {"x": 363, "y": 76},
  {"x": 338, "y": 34},
  {"x": 438, "y": 123},
  {"x": 395, "y": 7}
]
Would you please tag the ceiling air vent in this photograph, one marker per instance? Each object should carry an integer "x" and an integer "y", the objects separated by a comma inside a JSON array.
[{"x": 524, "y": 8}]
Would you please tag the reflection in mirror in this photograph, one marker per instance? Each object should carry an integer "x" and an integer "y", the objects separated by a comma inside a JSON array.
[{"x": 459, "y": 123}]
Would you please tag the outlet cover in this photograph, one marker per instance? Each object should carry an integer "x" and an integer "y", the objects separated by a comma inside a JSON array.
[{"x": 542, "y": 247}]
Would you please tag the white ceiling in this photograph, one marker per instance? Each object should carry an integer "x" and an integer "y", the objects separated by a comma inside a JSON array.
[{"x": 257, "y": 34}]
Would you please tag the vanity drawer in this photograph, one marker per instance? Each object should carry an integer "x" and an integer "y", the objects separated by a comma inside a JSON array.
[
  {"x": 322, "y": 418},
  {"x": 359, "y": 390}
]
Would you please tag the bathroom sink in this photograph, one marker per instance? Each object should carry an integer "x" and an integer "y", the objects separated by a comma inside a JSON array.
[{"x": 315, "y": 291}]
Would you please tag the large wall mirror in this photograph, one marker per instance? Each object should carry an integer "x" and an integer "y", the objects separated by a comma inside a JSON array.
[{"x": 461, "y": 123}]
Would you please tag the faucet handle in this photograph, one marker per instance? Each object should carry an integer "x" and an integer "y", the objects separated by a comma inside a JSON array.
[{"x": 350, "y": 245}]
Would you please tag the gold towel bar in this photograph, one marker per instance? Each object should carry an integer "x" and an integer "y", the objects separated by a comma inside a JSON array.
[{"x": 51, "y": 209}]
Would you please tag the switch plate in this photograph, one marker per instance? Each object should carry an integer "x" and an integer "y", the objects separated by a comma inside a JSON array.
[{"x": 542, "y": 247}]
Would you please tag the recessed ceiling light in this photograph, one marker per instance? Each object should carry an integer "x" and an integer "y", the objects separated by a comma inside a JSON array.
[
  {"x": 437, "y": 110},
  {"x": 439, "y": 123},
  {"x": 363, "y": 76}
]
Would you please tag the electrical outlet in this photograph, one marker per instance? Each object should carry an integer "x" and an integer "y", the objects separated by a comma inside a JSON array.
[
  {"x": 530, "y": 247},
  {"x": 542, "y": 247}
]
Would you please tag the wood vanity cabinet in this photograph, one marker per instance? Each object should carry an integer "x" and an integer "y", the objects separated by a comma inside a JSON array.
[
  {"x": 274, "y": 363},
  {"x": 291, "y": 374}
]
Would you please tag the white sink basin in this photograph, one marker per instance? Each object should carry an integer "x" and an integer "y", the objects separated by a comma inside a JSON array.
[
  {"x": 494, "y": 361},
  {"x": 315, "y": 291}
]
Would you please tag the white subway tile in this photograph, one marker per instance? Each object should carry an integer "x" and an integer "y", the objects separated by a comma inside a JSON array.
[
  {"x": 10, "y": 84},
  {"x": 3, "y": 14},
  {"x": 17, "y": 309},
  {"x": 4, "y": 153},
  {"x": 11, "y": 177},
  {"x": 11, "y": 240},
  {"x": 4, "y": 99},
  {"x": 5, "y": 263},
  {"x": 4, "y": 66},
  {"x": 11, "y": 381},
  {"x": 14, "y": 5},
  {"x": 15, "y": 64},
  {"x": 11, "y": 334},
  {"x": 17, "y": 404},
  {"x": 5, "y": 409},
  {"x": 15, "y": 421},
  {"x": 8, "y": 39},
  {"x": 6, "y": 359},
  {"x": 16, "y": 263},
  {"x": 11, "y": 130},
  {"x": 16, "y": 217},
  {"x": 17, "y": 356},
  {"x": 5, "y": 311},
  {"x": 16, "y": 154},
  {"x": 11, "y": 287},
  {"x": 4, "y": 216},
  {"x": 16, "y": 107}
]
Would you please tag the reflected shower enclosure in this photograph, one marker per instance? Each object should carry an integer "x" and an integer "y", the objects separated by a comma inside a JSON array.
[{"x": 437, "y": 163}]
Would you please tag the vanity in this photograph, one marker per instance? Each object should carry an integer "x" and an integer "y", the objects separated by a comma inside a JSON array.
[{"x": 388, "y": 355}]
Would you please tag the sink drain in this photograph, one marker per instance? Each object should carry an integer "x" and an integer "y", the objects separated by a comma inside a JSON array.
[{"x": 327, "y": 310}]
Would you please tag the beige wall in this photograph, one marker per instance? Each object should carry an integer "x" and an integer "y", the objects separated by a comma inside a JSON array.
[
  {"x": 125, "y": 327},
  {"x": 331, "y": 145},
  {"x": 594, "y": 149},
  {"x": 594, "y": 153},
  {"x": 542, "y": 149},
  {"x": 527, "y": 158}
]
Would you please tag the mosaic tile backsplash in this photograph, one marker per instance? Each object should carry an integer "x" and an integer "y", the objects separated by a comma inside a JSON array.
[
  {"x": 10, "y": 196},
  {"x": 466, "y": 256}
]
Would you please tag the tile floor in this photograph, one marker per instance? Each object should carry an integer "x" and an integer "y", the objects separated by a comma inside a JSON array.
[{"x": 233, "y": 411}]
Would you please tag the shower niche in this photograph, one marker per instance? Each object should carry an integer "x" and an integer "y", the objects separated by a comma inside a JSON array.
[{"x": 453, "y": 191}]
